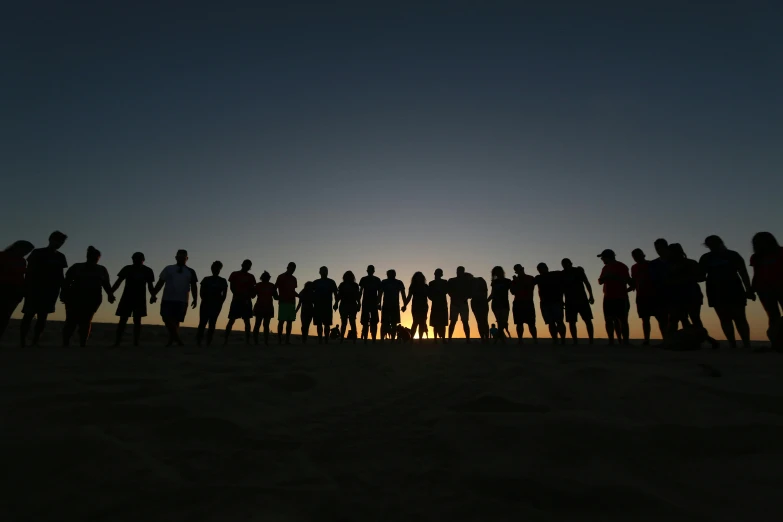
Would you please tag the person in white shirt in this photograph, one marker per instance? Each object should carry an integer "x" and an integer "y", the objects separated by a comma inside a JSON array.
[{"x": 180, "y": 281}]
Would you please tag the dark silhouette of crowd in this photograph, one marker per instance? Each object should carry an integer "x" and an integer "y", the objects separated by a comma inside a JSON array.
[{"x": 666, "y": 288}]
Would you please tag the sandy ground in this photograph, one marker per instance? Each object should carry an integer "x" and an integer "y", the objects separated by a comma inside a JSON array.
[{"x": 380, "y": 433}]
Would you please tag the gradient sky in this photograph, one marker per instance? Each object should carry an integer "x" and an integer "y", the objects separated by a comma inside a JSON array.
[{"x": 404, "y": 136}]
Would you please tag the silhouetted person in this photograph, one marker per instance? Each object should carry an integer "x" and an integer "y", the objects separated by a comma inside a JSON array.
[
  {"x": 522, "y": 287},
  {"x": 214, "y": 290},
  {"x": 648, "y": 303},
  {"x": 493, "y": 331},
  {"x": 266, "y": 293},
  {"x": 286, "y": 309},
  {"x": 577, "y": 302},
  {"x": 459, "y": 293},
  {"x": 43, "y": 280},
  {"x": 306, "y": 303},
  {"x": 82, "y": 295},
  {"x": 767, "y": 263},
  {"x": 684, "y": 292},
  {"x": 348, "y": 302},
  {"x": 615, "y": 279},
  {"x": 334, "y": 333},
  {"x": 550, "y": 295},
  {"x": 323, "y": 290},
  {"x": 370, "y": 288},
  {"x": 479, "y": 303},
  {"x": 243, "y": 285},
  {"x": 180, "y": 281},
  {"x": 439, "y": 315},
  {"x": 138, "y": 278},
  {"x": 389, "y": 299},
  {"x": 728, "y": 289},
  {"x": 418, "y": 292},
  {"x": 12, "y": 269},
  {"x": 659, "y": 275},
  {"x": 501, "y": 286}
]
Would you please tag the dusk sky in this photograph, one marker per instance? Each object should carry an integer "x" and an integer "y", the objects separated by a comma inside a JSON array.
[{"x": 407, "y": 137}]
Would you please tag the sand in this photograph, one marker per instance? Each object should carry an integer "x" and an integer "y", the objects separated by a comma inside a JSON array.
[{"x": 382, "y": 433}]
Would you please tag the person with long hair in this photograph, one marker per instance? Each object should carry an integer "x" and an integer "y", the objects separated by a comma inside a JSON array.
[
  {"x": 728, "y": 289},
  {"x": 264, "y": 309},
  {"x": 81, "y": 294},
  {"x": 214, "y": 290},
  {"x": 12, "y": 268},
  {"x": 684, "y": 292},
  {"x": 500, "y": 303},
  {"x": 767, "y": 263},
  {"x": 418, "y": 292},
  {"x": 480, "y": 305},
  {"x": 348, "y": 303},
  {"x": 42, "y": 281},
  {"x": 439, "y": 315},
  {"x": 138, "y": 278},
  {"x": 306, "y": 297}
]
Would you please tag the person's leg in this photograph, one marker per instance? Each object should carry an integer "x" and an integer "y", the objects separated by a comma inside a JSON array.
[
  {"x": 465, "y": 325},
  {"x": 85, "y": 325},
  {"x": 610, "y": 329},
  {"x": 374, "y": 330},
  {"x": 5, "y": 316},
  {"x": 24, "y": 327},
  {"x": 289, "y": 325},
  {"x": 343, "y": 324},
  {"x": 229, "y": 326},
  {"x": 68, "y": 329},
  {"x": 452, "y": 326},
  {"x": 572, "y": 328},
  {"x": 646, "y": 328},
  {"x": 590, "y": 329},
  {"x": 136, "y": 330},
  {"x": 256, "y": 329},
  {"x": 267, "y": 323},
  {"x": 561, "y": 329},
  {"x": 352, "y": 322},
  {"x": 212, "y": 327},
  {"x": 770, "y": 303},
  {"x": 320, "y": 330},
  {"x": 305, "y": 329},
  {"x": 120, "y": 330},
  {"x": 533, "y": 331},
  {"x": 726, "y": 318},
  {"x": 625, "y": 329},
  {"x": 247, "y": 329},
  {"x": 520, "y": 332},
  {"x": 40, "y": 325},
  {"x": 553, "y": 331},
  {"x": 743, "y": 328}
]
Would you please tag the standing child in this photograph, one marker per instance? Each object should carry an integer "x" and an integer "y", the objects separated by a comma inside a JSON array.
[{"x": 493, "y": 332}]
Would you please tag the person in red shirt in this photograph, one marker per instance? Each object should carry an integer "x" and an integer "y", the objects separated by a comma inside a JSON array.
[
  {"x": 286, "y": 311},
  {"x": 12, "y": 268},
  {"x": 647, "y": 303},
  {"x": 243, "y": 285},
  {"x": 265, "y": 308},
  {"x": 523, "y": 308},
  {"x": 615, "y": 279},
  {"x": 767, "y": 263}
]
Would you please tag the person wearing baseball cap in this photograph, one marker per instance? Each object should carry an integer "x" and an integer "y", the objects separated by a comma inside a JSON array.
[{"x": 615, "y": 279}]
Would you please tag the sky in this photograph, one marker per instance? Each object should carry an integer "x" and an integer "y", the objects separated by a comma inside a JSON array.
[{"x": 408, "y": 136}]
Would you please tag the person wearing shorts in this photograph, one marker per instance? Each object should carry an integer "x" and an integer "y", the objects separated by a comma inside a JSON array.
[
  {"x": 138, "y": 278},
  {"x": 767, "y": 263},
  {"x": 615, "y": 279},
  {"x": 179, "y": 281},
  {"x": 285, "y": 285},
  {"x": 391, "y": 290},
  {"x": 369, "y": 293},
  {"x": 459, "y": 292},
  {"x": 43, "y": 280},
  {"x": 550, "y": 293},
  {"x": 577, "y": 302},
  {"x": 264, "y": 310},
  {"x": 501, "y": 286},
  {"x": 523, "y": 308},
  {"x": 243, "y": 285},
  {"x": 324, "y": 289},
  {"x": 214, "y": 290},
  {"x": 306, "y": 307}
]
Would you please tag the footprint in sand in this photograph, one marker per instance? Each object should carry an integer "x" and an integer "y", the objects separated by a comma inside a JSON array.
[{"x": 497, "y": 404}]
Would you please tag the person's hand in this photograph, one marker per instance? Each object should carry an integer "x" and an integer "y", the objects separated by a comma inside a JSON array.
[
  {"x": 751, "y": 295},
  {"x": 335, "y": 307},
  {"x": 112, "y": 299},
  {"x": 194, "y": 304},
  {"x": 592, "y": 300},
  {"x": 153, "y": 299},
  {"x": 403, "y": 309}
]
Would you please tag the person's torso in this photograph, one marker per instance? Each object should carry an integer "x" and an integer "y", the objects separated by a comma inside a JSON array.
[
  {"x": 12, "y": 269},
  {"x": 212, "y": 288},
  {"x": 479, "y": 290},
  {"x": 500, "y": 289},
  {"x": 640, "y": 272},
  {"x": 306, "y": 298},
  {"x": 86, "y": 281},
  {"x": 617, "y": 286},
  {"x": 391, "y": 289},
  {"x": 242, "y": 284},
  {"x": 573, "y": 285},
  {"x": 371, "y": 285},
  {"x": 323, "y": 290},
  {"x": 348, "y": 291},
  {"x": 265, "y": 291},
  {"x": 286, "y": 287},
  {"x": 550, "y": 288},
  {"x": 523, "y": 287},
  {"x": 768, "y": 271},
  {"x": 438, "y": 291},
  {"x": 459, "y": 288},
  {"x": 721, "y": 269},
  {"x": 178, "y": 279},
  {"x": 45, "y": 267},
  {"x": 136, "y": 280}
]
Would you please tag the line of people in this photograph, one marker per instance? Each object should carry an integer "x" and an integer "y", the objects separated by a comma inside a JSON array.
[{"x": 667, "y": 288}]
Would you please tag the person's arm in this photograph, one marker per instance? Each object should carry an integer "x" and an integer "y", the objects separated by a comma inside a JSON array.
[
  {"x": 337, "y": 296},
  {"x": 491, "y": 293},
  {"x": 120, "y": 279},
  {"x": 107, "y": 286},
  {"x": 298, "y": 307},
  {"x": 743, "y": 273},
  {"x": 194, "y": 288},
  {"x": 588, "y": 286},
  {"x": 335, "y": 293},
  {"x": 66, "y": 285},
  {"x": 158, "y": 287},
  {"x": 151, "y": 281}
]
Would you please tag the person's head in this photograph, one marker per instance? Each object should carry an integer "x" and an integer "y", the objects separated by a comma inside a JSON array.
[
  {"x": 493, "y": 325},
  {"x": 676, "y": 251},
  {"x": 418, "y": 279},
  {"x": 764, "y": 243},
  {"x": 265, "y": 277},
  {"x": 714, "y": 243},
  {"x": 637, "y": 255},
  {"x": 391, "y": 274},
  {"x": 370, "y": 270},
  {"x": 566, "y": 263},
  {"x": 519, "y": 269},
  {"x": 216, "y": 267},
  {"x": 438, "y": 273},
  {"x": 460, "y": 271},
  {"x": 607, "y": 256},
  {"x": 542, "y": 268},
  {"x": 291, "y": 268},
  {"x": 661, "y": 247},
  {"x": 181, "y": 257},
  {"x": 57, "y": 240},
  {"x": 246, "y": 265},
  {"x": 308, "y": 285},
  {"x": 138, "y": 259},
  {"x": 498, "y": 272},
  {"x": 20, "y": 248},
  {"x": 324, "y": 272},
  {"x": 93, "y": 255},
  {"x": 348, "y": 277}
]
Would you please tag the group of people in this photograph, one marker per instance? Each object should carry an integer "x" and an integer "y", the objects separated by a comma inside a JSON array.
[{"x": 666, "y": 288}]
